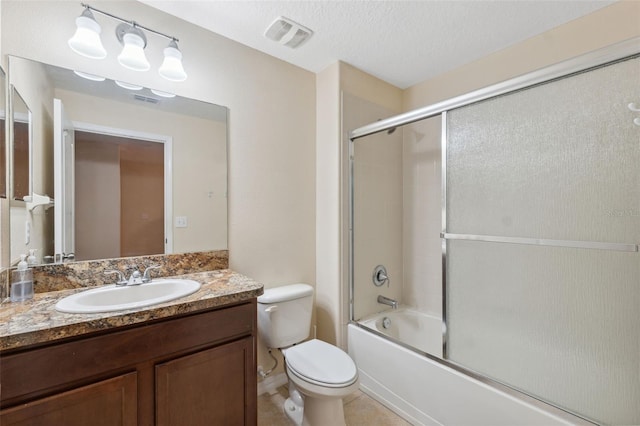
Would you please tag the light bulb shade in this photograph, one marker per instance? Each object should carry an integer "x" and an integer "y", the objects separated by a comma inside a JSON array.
[
  {"x": 171, "y": 67},
  {"x": 132, "y": 55},
  {"x": 86, "y": 40}
]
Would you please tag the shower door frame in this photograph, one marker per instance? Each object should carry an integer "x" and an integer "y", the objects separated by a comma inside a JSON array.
[{"x": 602, "y": 57}]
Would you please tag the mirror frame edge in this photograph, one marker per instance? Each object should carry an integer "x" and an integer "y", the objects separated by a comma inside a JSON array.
[{"x": 5, "y": 220}]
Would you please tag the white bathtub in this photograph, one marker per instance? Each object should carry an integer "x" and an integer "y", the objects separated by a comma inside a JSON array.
[
  {"x": 413, "y": 328},
  {"x": 427, "y": 392}
]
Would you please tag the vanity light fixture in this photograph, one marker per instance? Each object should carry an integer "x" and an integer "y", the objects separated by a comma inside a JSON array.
[
  {"x": 171, "y": 67},
  {"x": 133, "y": 41},
  {"x": 86, "y": 42}
]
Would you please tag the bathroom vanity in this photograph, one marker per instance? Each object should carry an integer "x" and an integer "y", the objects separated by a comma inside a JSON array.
[{"x": 187, "y": 362}]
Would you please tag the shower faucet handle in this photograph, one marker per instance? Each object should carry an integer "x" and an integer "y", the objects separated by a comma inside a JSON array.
[{"x": 380, "y": 276}]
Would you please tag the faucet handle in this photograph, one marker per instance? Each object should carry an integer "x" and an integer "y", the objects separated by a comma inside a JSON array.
[
  {"x": 146, "y": 277},
  {"x": 121, "y": 278}
]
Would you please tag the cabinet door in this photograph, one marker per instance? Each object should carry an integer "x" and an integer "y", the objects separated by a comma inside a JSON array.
[
  {"x": 211, "y": 387},
  {"x": 111, "y": 402}
]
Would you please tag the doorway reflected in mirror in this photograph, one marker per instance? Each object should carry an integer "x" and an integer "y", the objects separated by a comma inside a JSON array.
[{"x": 119, "y": 188}]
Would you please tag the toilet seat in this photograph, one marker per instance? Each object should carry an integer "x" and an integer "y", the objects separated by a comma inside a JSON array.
[{"x": 321, "y": 364}]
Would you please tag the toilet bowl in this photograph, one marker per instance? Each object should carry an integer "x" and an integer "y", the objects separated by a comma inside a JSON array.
[
  {"x": 323, "y": 374},
  {"x": 320, "y": 374}
]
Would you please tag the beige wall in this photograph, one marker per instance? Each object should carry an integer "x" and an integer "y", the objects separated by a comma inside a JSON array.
[
  {"x": 328, "y": 298},
  {"x": 378, "y": 208},
  {"x": 364, "y": 99},
  {"x": 422, "y": 216},
  {"x": 335, "y": 119}
]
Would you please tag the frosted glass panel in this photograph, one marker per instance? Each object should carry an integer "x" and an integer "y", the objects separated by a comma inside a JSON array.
[
  {"x": 562, "y": 324},
  {"x": 557, "y": 161}
]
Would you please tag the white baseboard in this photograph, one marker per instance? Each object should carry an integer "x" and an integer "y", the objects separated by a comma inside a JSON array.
[{"x": 272, "y": 383}]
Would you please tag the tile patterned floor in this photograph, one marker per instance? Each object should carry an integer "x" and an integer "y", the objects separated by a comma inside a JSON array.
[{"x": 359, "y": 410}]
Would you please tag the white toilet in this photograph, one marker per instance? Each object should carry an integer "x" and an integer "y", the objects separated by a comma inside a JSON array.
[{"x": 321, "y": 372}]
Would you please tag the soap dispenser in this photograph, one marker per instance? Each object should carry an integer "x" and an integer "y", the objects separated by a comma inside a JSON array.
[
  {"x": 22, "y": 281},
  {"x": 31, "y": 259}
]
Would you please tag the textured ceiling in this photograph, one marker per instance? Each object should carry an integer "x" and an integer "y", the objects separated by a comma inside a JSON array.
[{"x": 401, "y": 42}]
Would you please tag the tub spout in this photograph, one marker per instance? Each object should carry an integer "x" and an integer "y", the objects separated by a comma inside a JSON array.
[{"x": 387, "y": 301}]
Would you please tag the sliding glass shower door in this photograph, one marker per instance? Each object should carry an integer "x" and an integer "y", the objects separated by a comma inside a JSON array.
[{"x": 542, "y": 231}]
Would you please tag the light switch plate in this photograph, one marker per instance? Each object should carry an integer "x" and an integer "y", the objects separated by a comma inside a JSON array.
[{"x": 181, "y": 221}]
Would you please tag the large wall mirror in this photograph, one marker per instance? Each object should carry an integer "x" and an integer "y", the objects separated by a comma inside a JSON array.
[{"x": 118, "y": 170}]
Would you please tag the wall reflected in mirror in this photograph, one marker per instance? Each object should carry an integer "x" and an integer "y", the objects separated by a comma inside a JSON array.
[
  {"x": 3, "y": 146},
  {"x": 120, "y": 170},
  {"x": 21, "y": 146}
]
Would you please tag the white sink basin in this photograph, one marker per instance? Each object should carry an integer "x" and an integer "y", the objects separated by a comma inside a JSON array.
[{"x": 113, "y": 298}]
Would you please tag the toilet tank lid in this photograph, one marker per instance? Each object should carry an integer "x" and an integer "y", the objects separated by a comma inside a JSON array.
[{"x": 285, "y": 292}]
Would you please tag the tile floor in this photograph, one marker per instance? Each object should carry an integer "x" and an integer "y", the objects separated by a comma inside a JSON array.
[{"x": 359, "y": 410}]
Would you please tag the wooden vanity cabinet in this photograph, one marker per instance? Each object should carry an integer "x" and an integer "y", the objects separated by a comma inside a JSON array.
[{"x": 197, "y": 369}]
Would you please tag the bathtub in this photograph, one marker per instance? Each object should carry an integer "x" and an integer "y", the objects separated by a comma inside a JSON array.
[
  {"x": 412, "y": 328},
  {"x": 425, "y": 390}
]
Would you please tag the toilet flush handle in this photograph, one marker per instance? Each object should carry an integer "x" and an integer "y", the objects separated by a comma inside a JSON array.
[{"x": 271, "y": 309}]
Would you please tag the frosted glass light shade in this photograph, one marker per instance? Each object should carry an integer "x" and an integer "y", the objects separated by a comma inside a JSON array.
[
  {"x": 86, "y": 40},
  {"x": 132, "y": 55},
  {"x": 171, "y": 67}
]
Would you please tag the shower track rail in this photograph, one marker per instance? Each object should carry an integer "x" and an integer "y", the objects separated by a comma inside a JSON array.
[{"x": 543, "y": 242}]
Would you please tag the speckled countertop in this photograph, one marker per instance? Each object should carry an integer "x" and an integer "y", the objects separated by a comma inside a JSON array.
[{"x": 36, "y": 321}]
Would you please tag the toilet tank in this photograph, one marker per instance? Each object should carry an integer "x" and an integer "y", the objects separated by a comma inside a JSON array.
[{"x": 284, "y": 315}]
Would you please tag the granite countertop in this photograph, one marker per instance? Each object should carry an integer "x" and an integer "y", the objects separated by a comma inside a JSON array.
[{"x": 36, "y": 321}]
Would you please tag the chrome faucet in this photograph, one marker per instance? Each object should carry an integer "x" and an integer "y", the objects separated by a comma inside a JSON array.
[
  {"x": 136, "y": 277},
  {"x": 387, "y": 301}
]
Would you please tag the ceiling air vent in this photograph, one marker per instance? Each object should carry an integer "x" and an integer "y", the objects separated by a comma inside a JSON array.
[
  {"x": 145, "y": 99},
  {"x": 287, "y": 32}
]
